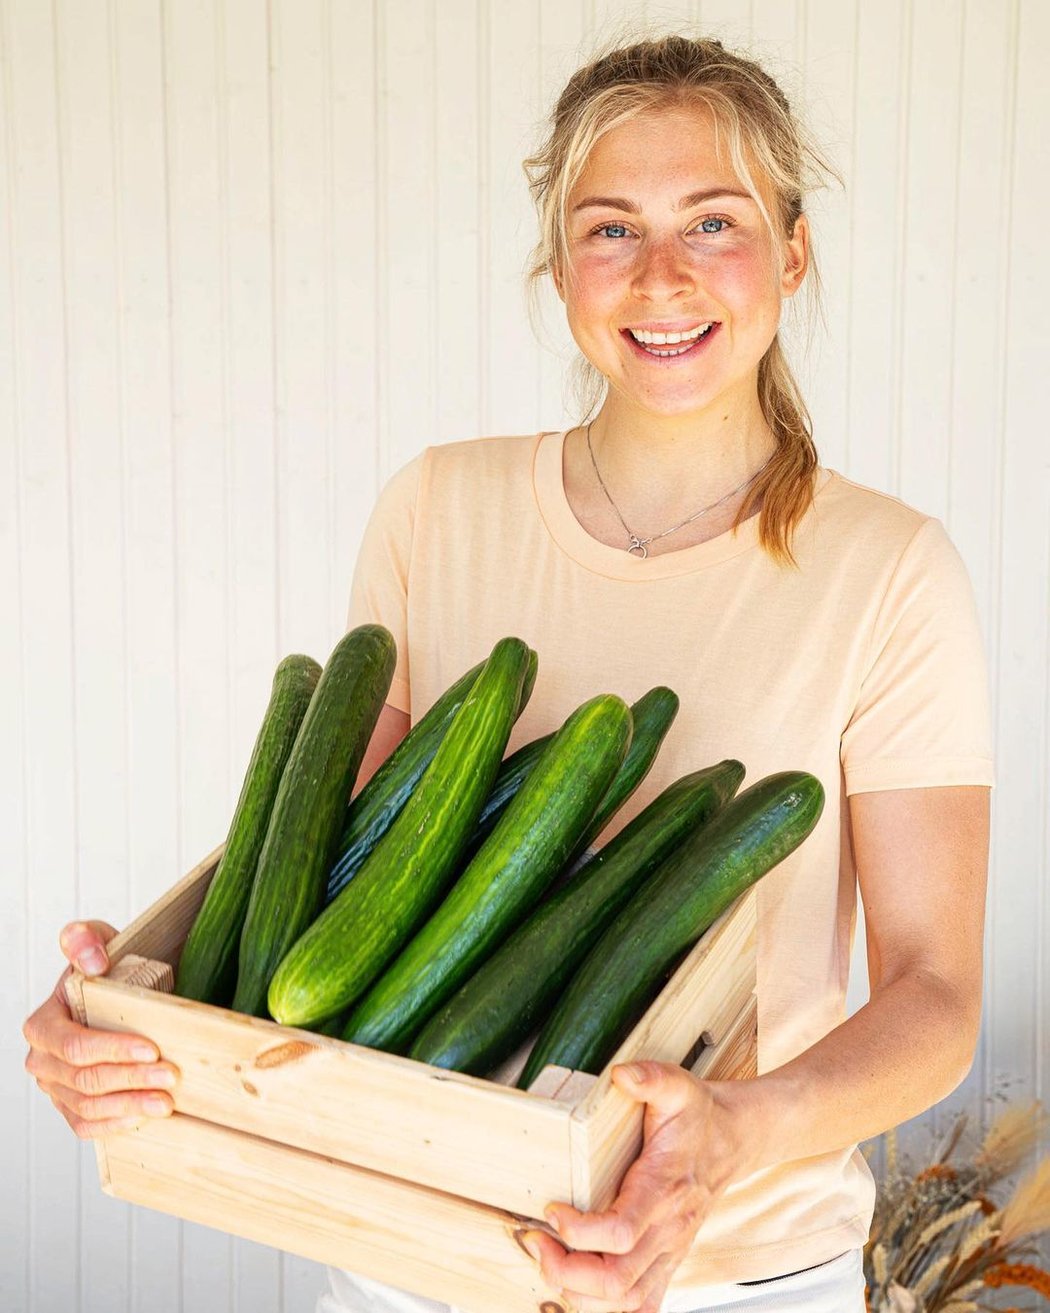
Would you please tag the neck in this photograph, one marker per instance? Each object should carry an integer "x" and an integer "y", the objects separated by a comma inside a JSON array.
[{"x": 666, "y": 470}]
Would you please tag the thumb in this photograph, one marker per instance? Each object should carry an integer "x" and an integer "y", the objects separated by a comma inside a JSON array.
[
  {"x": 663, "y": 1084},
  {"x": 83, "y": 943}
]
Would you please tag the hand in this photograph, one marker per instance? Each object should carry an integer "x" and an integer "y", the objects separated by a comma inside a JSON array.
[
  {"x": 624, "y": 1258},
  {"x": 100, "y": 1081}
]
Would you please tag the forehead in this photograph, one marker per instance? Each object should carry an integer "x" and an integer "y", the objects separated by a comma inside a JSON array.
[{"x": 660, "y": 150}]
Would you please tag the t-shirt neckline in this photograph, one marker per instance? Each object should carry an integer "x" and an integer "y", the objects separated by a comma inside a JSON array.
[{"x": 614, "y": 562}]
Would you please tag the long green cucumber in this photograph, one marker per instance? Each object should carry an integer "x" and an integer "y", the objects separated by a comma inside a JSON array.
[
  {"x": 651, "y": 715},
  {"x": 376, "y": 807},
  {"x": 509, "y": 779},
  {"x": 408, "y": 871},
  {"x": 288, "y": 889},
  {"x": 511, "y": 992},
  {"x": 690, "y": 889},
  {"x": 505, "y": 878},
  {"x": 208, "y": 965}
]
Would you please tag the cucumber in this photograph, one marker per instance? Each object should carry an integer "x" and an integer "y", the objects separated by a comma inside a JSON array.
[
  {"x": 376, "y": 807},
  {"x": 690, "y": 889},
  {"x": 502, "y": 1003},
  {"x": 408, "y": 871},
  {"x": 505, "y": 878},
  {"x": 289, "y": 883},
  {"x": 208, "y": 965},
  {"x": 509, "y": 779},
  {"x": 651, "y": 716}
]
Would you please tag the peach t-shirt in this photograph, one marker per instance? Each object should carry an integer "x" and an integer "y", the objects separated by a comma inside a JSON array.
[{"x": 865, "y": 666}]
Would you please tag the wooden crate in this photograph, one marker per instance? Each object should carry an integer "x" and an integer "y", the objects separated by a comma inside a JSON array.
[{"x": 389, "y": 1167}]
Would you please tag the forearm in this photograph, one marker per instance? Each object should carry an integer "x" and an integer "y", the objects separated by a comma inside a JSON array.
[{"x": 902, "y": 1052}]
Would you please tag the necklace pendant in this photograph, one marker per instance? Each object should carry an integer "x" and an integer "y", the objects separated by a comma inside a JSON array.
[{"x": 637, "y": 547}]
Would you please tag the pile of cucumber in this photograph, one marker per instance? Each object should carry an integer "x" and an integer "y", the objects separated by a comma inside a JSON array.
[{"x": 442, "y": 914}]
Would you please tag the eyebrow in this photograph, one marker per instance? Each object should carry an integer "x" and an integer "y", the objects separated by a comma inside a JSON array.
[{"x": 686, "y": 203}]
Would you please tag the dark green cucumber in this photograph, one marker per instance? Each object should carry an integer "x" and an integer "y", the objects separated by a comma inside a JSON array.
[
  {"x": 208, "y": 965},
  {"x": 511, "y": 992},
  {"x": 628, "y": 965},
  {"x": 505, "y": 878},
  {"x": 651, "y": 716},
  {"x": 509, "y": 779},
  {"x": 376, "y": 807},
  {"x": 408, "y": 871},
  {"x": 288, "y": 889}
]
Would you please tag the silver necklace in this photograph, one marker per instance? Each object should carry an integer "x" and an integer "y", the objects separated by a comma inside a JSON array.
[{"x": 641, "y": 545}]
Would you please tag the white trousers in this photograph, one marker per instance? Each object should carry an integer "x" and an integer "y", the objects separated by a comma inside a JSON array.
[{"x": 833, "y": 1287}]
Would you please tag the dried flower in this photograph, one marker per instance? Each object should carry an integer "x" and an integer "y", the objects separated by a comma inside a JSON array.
[{"x": 940, "y": 1239}]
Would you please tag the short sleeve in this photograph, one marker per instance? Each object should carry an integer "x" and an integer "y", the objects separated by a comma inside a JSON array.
[
  {"x": 379, "y": 590},
  {"x": 922, "y": 715}
]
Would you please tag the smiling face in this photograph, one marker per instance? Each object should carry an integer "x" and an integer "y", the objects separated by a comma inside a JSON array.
[{"x": 649, "y": 251}]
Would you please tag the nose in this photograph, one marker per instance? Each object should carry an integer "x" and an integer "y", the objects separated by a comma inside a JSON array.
[{"x": 664, "y": 269}]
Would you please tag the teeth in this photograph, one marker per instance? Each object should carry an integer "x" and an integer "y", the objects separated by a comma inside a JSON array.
[{"x": 659, "y": 339}]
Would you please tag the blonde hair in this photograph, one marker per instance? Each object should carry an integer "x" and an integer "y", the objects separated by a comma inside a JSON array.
[{"x": 773, "y": 159}]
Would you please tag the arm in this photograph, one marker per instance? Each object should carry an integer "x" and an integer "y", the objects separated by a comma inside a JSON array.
[
  {"x": 102, "y": 1081},
  {"x": 922, "y": 859}
]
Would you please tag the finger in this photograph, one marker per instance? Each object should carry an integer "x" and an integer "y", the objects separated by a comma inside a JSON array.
[
  {"x": 103, "y": 1078},
  {"x": 88, "y": 1130},
  {"x": 52, "y": 1030},
  {"x": 600, "y": 1277},
  {"x": 84, "y": 944},
  {"x": 646, "y": 1293},
  {"x": 110, "y": 1107}
]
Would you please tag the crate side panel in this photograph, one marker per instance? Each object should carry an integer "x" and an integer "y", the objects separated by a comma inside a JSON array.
[
  {"x": 420, "y": 1240},
  {"x": 162, "y": 928},
  {"x": 606, "y": 1132},
  {"x": 354, "y": 1104}
]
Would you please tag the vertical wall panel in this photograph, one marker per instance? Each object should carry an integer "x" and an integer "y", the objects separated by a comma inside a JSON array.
[
  {"x": 304, "y": 320},
  {"x": 454, "y": 221},
  {"x": 96, "y": 447},
  {"x": 17, "y": 1094},
  {"x": 876, "y": 202},
  {"x": 509, "y": 350},
  {"x": 407, "y": 322},
  {"x": 143, "y": 326},
  {"x": 356, "y": 347},
  {"x": 52, "y": 891},
  {"x": 252, "y": 259},
  {"x": 1017, "y": 998},
  {"x": 196, "y": 126}
]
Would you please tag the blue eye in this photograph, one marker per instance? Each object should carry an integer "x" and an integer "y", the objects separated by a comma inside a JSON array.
[{"x": 701, "y": 227}]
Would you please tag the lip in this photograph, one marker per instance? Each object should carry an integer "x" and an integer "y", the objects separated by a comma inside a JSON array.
[
  {"x": 682, "y": 326},
  {"x": 698, "y": 347}
]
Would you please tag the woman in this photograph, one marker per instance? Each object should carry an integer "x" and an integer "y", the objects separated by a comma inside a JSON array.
[{"x": 687, "y": 535}]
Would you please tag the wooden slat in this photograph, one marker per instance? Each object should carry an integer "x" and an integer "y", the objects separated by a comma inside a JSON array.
[
  {"x": 348, "y": 1102},
  {"x": 420, "y": 1240}
]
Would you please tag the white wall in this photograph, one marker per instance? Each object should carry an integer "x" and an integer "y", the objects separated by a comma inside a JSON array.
[{"x": 220, "y": 222}]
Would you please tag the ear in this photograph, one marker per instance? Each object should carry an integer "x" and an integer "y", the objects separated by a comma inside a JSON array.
[
  {"x": 796, "y": 257},
  {"x": 559, "y": 284}
]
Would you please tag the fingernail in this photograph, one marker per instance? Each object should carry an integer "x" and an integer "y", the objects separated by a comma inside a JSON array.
[
  {"x": 161, "y": 1077},
  {"x": 91, "y": 961},
  {"x": 144, "y": 1053},
  {"x": 531, "y": 1247},
  {"x": 156, "y": 1106},
  {"x": 552, "y": 1218}
]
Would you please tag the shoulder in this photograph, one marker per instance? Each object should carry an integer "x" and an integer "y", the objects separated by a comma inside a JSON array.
[
  {"x": 482, "y": 457},
  {"x": 853, "y": 518}
]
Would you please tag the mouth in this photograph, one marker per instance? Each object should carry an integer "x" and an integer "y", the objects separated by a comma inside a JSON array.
[{"x": 670, "y": 354}]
